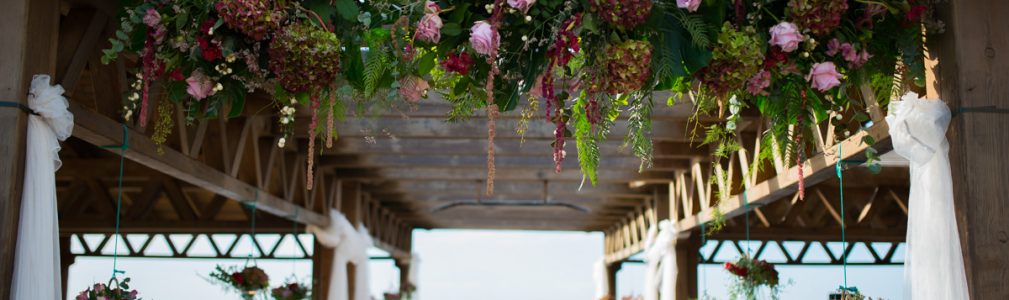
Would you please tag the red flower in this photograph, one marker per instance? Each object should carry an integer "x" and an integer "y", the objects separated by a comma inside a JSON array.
[
  {"x": 916, "y": 12},
  {"x": 736, "y": 270},
  {"x": 458, "y": 63},
  {"x": 238, "y": 278},
  {"x": 774, "y": 57},
  {"x": 176, "y": 75},
  {"x": 210, "y": 50}
]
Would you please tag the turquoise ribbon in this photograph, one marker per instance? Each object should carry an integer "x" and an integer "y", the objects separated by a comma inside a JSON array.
[{"x": 119, "y": 197}]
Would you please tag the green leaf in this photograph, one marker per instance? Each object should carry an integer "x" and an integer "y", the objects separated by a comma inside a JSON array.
[
  {"x": 426, "y": 63},
  {"x": 347, "y": 9},
  {"x": 181, "y": 20},
  {"x": 869, "y": 140},
  {"x": 451, "y": 29},
  {"x": 237, "y": 95}
]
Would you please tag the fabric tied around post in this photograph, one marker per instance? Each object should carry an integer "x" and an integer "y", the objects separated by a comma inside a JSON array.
[
  {"x": 37, "y": 258},
  {"x": 349, "y": 245},
  {"x": 660, "y": 260},
  {"x": 933, "y": 265}
]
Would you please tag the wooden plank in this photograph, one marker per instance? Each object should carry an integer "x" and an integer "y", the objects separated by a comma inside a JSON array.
[
  {"x": 29, "y": 31},
  {"x": 478, "y": 146},
  {"x": 85, "y": 50},
  {"x": 99, "y": 130}
]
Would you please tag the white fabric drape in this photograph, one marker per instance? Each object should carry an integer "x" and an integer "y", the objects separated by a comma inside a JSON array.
[
  {"x": 599, "y": 275},
  {"x": 37, "y": 254},
  {"x": 349, "y": 245},
  {"x": 933, "y": 266},
  {"x": 660, "y": 257}
]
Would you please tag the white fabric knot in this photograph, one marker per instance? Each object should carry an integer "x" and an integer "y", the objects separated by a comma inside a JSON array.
[{"x": 48, "y": 101}]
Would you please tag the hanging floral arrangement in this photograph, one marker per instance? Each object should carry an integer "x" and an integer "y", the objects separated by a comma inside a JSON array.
[
  {"x": 248, "y": 281},
  {"x": 114, "y": 290},
  {"x": 291, "y": 291},
  {"x": 850, "y": 293},
  {"x": 750, "y": 276},
  {"x": 593, "y": 63}
]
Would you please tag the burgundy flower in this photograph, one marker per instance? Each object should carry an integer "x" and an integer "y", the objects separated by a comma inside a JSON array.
[
  {"x": 176, "y": 75},
  {"x": 458, "y": 63},
  {"x": 209, "y": 49},
  {"x": 774, "y": 57},
  {"x": 916, "y": 12},
  {"x": 238, "y": 278}
]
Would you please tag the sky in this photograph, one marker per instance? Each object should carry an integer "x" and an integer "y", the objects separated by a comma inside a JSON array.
[{"x": 478, "y": 264}]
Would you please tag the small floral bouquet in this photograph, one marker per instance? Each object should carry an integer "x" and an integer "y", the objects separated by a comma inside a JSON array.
[
  {"x": 107, "y": 292},
  {"x": 850, "y": 293},
  {"x": 290, "y": 291},
  {"x": 751, "y": 274},
  {"x": 248, "y": 281}
]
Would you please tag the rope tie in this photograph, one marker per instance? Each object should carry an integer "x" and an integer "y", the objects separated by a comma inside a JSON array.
[
  {"x": 980, "y": 109},
  {"x": 20, "y": 106},
  {"x": 119, "y": 197}
]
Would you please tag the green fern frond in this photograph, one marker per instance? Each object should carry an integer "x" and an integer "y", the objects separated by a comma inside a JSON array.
[
  {"x": 374, "y": 68},
  {"x": 694, "y": 25}
]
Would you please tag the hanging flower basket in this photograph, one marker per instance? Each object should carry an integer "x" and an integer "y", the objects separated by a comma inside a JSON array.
[
  {"x": 114, "y": 290},
  {"x": 248, "y": 281},
  {"x": 751, "y": 275},
  {"x": 291, "y": 291}
]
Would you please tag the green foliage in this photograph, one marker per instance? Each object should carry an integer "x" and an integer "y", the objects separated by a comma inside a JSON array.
[
  {"x": 588, "y": 137},
  {"x": 639, "y": 126}
]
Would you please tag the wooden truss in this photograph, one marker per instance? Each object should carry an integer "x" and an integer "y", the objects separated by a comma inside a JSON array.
[
  {"x": 741, "y": 184},
  {"x": 758, "y": 250},
  {"x": 181, "y": 245}
]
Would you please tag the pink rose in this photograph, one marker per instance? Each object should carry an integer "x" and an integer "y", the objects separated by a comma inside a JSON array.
[
  {"x": 522, "y": 5},
  {"x": 431, "y": 7},
  {"x": 860, "y": 59},
  {"x": 758, "y": 83},
  {"x": 200, "y": 86},
  {"x": 429, "y": 29},
  {"x": 412, "y": 88},
  {"x": 484, "y": 38},
  {"x": 833, "y": 46},
  {"x": 848, "y": 52},
  {"x": 690, "y": 5},
  {"x": 786, "y": 36},
  {"x": 824, "y": 76},
  {"x": 152, "y": 18}
]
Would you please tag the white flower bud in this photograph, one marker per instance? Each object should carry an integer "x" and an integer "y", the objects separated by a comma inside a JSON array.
[
  {"x": 529, "y": 18},
  {"x": 281, "y": 142}
]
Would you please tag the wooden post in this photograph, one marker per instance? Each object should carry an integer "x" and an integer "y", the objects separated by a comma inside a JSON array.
[
  {"x": 687, "y": 259},
  {"x": 611, "y": 278},
  {"x": 967, "y": 68},
  {"x": 66, "y": 260},
  {"x": 404, "y": 276},
  {"x": 322, "y": 269},
  {"x": 29, "y": 30}
]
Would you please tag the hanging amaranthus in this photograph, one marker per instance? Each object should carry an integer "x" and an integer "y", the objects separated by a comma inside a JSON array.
[
  {"x": 485, "y": 40},
  {"x": 566, "y": 45},
  {"x": 798, "y": 146},
  {"x": 311, "y": 142},
  {"x": 329, "y": 119}
]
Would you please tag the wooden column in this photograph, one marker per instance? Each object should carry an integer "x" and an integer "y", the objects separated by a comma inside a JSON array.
[
  {"x": 687, "y": 259},
  {"x": 404, "y": 276},
  {"x": 322, "y": 268},
  {"x": 66, "y": 260},
  {"x": 29, "y": 31},
  {"x": 968, "y": 68},
  {"x": 611, "y": 278}
]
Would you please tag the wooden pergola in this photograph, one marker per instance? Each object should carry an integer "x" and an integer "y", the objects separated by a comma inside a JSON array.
[{"x": 410, "y": 169}]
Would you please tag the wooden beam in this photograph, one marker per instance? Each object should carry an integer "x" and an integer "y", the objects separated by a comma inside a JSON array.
[
  {"x": 452, "y": 174},
  {"x": 477, "y": 129},
  {"x": 99, "y": 130},
  {"x": 29, "y": 29},
  {"x": 966, "y": 68},
  {"x": 817, "y": 169},
  {"x": 478, "y": 146}
]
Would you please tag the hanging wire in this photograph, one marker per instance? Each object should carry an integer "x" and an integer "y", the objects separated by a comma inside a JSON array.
[
  {"x": 252, "y": 227},
  {"x": 746, "y": 205},
  {"x": 119, "y": 197},
  {"x": 844, "y": 247}
]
